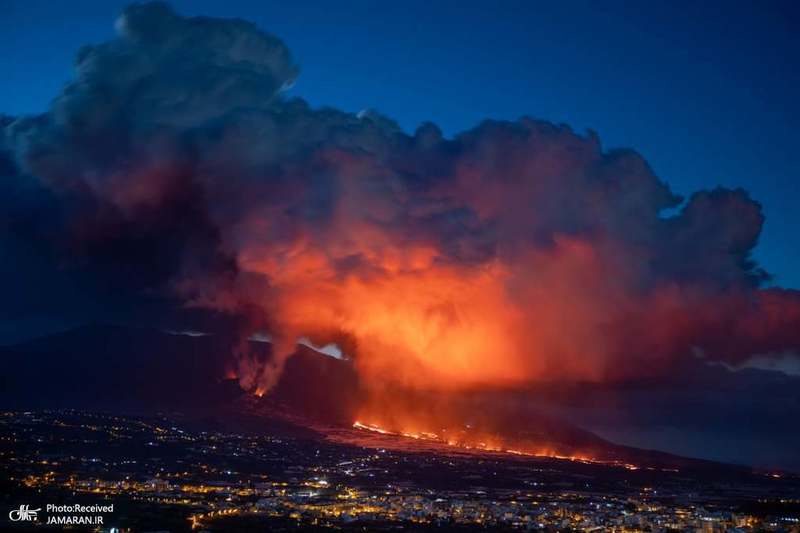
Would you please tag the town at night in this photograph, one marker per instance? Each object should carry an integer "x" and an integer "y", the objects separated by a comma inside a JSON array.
[{"x": 157, "y": 474}]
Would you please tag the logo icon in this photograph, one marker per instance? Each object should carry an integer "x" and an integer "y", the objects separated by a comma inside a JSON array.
[{"x": 24, "y": 513}]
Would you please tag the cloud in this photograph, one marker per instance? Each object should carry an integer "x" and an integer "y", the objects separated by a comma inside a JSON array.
[{"x": 173, "y": 180}]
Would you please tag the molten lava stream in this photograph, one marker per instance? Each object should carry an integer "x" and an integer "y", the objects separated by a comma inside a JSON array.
[{"x": 484, "y": 447}]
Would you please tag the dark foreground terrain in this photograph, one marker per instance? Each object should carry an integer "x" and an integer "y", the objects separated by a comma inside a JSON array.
[
  {"x": 160, "y": 473},
  {"x": 186, "y": 448}
]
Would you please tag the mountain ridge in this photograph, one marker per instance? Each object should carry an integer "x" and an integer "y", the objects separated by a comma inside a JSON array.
[{"x": 141, "y": 370}]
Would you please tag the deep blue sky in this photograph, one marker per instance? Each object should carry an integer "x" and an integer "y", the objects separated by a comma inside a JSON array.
[{"x": 709, "y": 94}]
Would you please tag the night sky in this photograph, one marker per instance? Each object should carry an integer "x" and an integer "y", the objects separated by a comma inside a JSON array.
[{"x": 707, "y": 91}]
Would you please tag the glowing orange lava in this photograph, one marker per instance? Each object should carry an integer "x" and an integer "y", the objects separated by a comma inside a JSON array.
[{"x": 485, "y": 447}]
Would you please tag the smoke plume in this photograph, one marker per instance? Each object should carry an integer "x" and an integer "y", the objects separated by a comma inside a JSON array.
[{"x": 174, "y": 175}]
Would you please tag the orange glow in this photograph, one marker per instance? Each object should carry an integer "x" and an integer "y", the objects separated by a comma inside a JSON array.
[
  {"x": 416, "y": 317},
  {"x": 420, "y": 328},
  {"x": 467, "y": 442},
  {"x": 416, "y": 320}
]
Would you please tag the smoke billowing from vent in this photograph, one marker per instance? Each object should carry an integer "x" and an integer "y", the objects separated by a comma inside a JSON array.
[{"x": 173, "y": 174}]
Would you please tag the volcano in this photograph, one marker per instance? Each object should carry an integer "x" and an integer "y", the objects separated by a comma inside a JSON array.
[{"x": 146, "y": 371}]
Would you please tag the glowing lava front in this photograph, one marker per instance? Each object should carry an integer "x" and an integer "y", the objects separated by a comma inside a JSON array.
[{"x": 484, "y": 447}]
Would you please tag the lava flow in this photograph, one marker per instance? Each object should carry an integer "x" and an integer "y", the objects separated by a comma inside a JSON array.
[{"x": 486, "y": 447}]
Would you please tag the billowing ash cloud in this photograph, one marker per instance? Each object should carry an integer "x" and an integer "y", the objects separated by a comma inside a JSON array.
[{"x": 172, "y": 174}]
